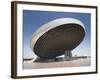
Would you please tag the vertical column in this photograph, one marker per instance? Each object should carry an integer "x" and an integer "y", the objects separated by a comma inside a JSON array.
[{"x": 67, "y": 55}]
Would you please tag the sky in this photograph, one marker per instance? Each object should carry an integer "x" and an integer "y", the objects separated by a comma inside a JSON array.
[{"x": 32, "y": 20}]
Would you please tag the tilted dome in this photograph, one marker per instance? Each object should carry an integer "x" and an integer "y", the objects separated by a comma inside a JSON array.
[{"x": 57, "y": 36}]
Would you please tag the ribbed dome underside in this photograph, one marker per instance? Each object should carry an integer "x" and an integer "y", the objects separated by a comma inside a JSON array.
[{"x": 59, "y": 39}]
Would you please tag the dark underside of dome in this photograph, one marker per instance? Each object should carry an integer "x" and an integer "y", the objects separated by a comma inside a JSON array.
[{"x": 58, "y": 40}]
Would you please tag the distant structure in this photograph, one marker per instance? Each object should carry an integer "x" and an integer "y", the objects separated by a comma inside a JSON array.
[{"x": 57, "y": 37}]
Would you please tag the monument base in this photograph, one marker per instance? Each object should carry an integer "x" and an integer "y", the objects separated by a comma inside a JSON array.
[{"x": 67, "y": 57}]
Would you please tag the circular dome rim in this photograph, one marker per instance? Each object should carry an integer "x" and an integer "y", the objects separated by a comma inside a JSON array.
[{"x": 50, "y": 25}]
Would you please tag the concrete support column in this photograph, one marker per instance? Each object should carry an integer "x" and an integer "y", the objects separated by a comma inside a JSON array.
[{"x": 68, "y": 55}]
